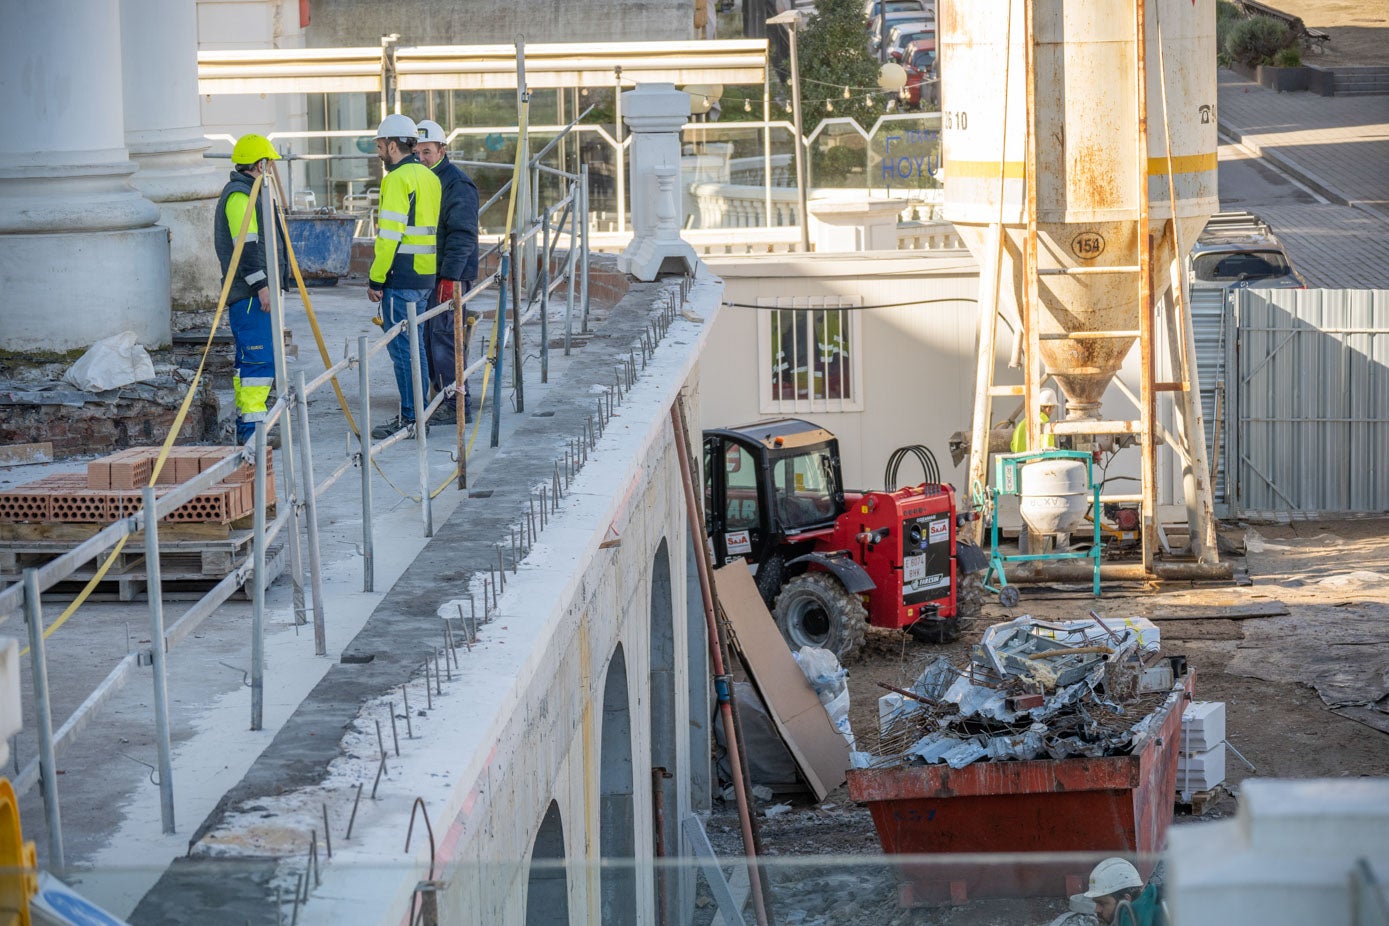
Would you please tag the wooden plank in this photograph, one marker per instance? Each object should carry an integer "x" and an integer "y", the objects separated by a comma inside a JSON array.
[
  {"x": 76, "y": 533},
  {"x": 25, "y": 454},
  {"x": 1217, "y": 612}
]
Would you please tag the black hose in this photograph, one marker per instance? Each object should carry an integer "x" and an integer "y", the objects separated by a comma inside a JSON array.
[{"x": 929, "y": 467}]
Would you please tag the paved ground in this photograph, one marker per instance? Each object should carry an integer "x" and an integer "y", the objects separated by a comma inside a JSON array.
[
  {"x": 1337, "y": 145},
  {"x": 1317, "y": 169}
]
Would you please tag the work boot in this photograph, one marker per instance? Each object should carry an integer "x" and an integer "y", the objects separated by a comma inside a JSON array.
[
  {"x": 445, "y": 415},
  {"x": 383, "y": 431}
]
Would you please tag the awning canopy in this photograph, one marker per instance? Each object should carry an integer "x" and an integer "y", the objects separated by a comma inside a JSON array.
[{"x": 480, "y": 67}]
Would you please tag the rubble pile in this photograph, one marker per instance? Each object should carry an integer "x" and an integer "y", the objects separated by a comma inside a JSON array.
[{"x": 1030, "y": 689}]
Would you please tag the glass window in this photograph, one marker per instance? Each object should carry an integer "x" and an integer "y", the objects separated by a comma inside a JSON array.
[
  {"x": 811, "y": 365},
  {"x": 740, "y": 482},
  {"x": 804, "y": 488},
  {"x": 1240, "y": 266}
]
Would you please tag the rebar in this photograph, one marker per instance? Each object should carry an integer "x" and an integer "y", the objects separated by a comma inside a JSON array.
[
  {"x": 357, "y": 800},
  {"x": 409, "y": 727},
  {"x": 395, "y": 734},
  {"x": 380, "y": 768},
  {"x": 327, "y": 835},
  {"x": 428, "y": 692}
]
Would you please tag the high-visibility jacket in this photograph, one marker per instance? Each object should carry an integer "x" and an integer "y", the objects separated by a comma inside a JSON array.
[
  {"x": 406, "y": 226},
  {"x": 1019, "y": 442},
  {"x": 226, "y": 225},
  {"x": 457, "y": 223}
]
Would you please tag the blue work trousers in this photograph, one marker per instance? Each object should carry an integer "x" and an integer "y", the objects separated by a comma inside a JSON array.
[
  {"x": 253, "y": 375},
  {"x": 393, "y": 302}
]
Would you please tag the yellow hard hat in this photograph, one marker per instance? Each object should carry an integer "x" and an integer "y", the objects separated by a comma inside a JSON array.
[{"x": 253, "y": 148}]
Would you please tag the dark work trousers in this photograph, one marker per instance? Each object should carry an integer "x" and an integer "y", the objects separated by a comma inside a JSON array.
[{"x": 441, "y": 348}]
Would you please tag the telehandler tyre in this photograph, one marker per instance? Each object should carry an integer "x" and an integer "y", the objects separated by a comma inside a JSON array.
[{"x": 814, "y": 609}]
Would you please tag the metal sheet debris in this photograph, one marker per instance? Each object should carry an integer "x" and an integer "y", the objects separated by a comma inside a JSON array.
[{"x": 1030, "y": 689}]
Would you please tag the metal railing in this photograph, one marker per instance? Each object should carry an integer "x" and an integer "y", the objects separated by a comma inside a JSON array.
[{"x": 523, "y": 284}]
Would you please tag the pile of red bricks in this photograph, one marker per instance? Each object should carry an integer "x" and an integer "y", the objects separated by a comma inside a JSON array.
[{"x": 111, "y": 490}]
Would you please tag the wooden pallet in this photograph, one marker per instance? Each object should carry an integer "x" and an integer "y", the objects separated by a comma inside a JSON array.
[
  {"x": 176, "y": 585},
  {"x": 1201, "y": 801},
  {"x": 186, "y": 564}
]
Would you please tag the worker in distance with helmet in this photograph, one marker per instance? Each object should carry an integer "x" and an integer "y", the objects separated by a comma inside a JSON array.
[
  {"x": 457, "y": 264},
  {"x": 248, "y": 300},
  {"x": 405, "y": 261},
  {"x": 1121, "y": 898}
]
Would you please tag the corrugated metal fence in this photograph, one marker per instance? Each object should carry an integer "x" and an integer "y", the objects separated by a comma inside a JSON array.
[{"x": 1303, "y": 377}]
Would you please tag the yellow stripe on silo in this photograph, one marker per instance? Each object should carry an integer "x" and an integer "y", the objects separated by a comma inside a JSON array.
[{"x": 1013, "y": 170}]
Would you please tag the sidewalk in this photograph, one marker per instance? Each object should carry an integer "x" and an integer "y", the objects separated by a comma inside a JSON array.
[{"x": 1338, "y": 146}]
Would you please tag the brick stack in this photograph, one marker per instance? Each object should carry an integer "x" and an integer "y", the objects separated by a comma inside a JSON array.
[{"x": 111, "y": 489}]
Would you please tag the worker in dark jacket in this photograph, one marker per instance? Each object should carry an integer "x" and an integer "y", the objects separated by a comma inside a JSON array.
[
  {"x": 457, "y": 263},
  {"x": 248, "y": 301}
]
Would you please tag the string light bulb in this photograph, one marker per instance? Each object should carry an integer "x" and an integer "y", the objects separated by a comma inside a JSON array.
[
  {"x": 868, "y": 98},
  {"x": 846, "y": 93},
  {"x": 891, "y": 104},
  {"x": 583, "y": 91},
  {"x": 788, "y": 106},
  {"x": 747, "y": 105},
  {"x": 829, "y": 106}
]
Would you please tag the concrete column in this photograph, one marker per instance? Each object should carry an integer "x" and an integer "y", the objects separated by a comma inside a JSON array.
[
  {"x": 855, "y": 225},
  {"x": 163, "y": 131},
  {"x": 81, "y": 257},
  {"x": 654, "y": 114}
]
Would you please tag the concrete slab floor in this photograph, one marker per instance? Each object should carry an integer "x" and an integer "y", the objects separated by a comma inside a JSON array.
[{"x": 108, "y": 799}]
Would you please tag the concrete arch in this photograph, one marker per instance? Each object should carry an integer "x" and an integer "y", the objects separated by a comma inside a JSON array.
[
  {"x": 547, "y": 884},
  {"x": 616, "y": 806},
  {"x": 664, "y": 726}
]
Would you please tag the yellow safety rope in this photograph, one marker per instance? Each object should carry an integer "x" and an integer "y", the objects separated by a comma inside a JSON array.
[{"x": 179, "y": 418}]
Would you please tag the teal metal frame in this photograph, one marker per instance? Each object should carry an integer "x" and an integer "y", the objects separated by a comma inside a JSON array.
[{"x": 1007, "y": 481}]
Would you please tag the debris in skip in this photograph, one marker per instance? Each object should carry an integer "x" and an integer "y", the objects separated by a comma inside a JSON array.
[{"x": 1030, "y": 689}]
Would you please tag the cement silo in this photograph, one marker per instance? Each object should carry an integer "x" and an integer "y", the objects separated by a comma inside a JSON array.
[{"x": 1120, "y": 140}]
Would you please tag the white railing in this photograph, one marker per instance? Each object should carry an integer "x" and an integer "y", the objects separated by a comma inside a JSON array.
[
  {"x": 736, "y": 205},
  {"x": 928, "y": 236}
]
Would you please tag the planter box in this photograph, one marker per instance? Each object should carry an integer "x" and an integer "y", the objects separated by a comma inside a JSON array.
[{"x": 1284, "y": 80}]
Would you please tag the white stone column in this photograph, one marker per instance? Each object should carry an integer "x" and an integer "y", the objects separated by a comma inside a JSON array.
[
  {"x": 163, "y": 131},
  {"x": 81, "y": 257},
  {"x": 655, "y": 114}
]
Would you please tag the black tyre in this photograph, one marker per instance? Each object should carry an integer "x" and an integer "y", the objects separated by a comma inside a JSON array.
[
  {"x": 770, "y": 576},
  {"x": 936, "y": 630},
  {"x": 814, "y": 609},
  {"x": 969, "y": 595}
]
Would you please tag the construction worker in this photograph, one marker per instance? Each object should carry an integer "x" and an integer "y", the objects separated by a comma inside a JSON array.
[
  {"x": 457, "y": 263},
  {"x": 1121, "y": 898},
  {"x": 1019, "y": 442},
  {"x": 402, "y": 271},
  {"x": 248, "y": 301}
]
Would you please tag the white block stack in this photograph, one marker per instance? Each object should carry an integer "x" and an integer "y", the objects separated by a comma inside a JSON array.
[{"x": 1201, "y": 761}]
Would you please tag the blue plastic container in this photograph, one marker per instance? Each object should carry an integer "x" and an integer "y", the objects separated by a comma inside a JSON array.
[{"x": 323, "y": 246}]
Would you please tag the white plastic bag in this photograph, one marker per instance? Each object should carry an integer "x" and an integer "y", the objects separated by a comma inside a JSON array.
[{"x": 111, "y": 363}]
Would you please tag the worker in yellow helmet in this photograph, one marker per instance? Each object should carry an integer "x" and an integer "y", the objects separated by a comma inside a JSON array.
[
  {"x": 1019, "y": 442},
  {"x": 248, "y": 301},
  {"x": 403, "y": 269}
]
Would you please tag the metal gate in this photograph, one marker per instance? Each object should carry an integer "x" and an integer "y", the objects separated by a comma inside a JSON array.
[
  {"x": 1211, "y": 322},
  {"x": 1309, "y": 395}
]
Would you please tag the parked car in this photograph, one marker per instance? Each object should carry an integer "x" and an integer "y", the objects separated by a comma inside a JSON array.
[
  {"x": 1239, "y": 250},
  {"x": 921, "y": 90},
  {"x": 903, "y": 33},
  {"x": 870, "y": 8},
  {"x": 892, "y": 19}
]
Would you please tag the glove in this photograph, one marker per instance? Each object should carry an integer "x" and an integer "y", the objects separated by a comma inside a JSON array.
[{"x": 443, "y": 292}]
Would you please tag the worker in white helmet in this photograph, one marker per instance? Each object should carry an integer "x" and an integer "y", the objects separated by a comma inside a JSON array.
[
  {"x": 405, "y": 259},
  {"x": 1019, "y": 442},
  {"x": 1121, "y": 898}
]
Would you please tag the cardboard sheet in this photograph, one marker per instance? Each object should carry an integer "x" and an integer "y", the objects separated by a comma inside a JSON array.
[{"x": 819, "y": 749}]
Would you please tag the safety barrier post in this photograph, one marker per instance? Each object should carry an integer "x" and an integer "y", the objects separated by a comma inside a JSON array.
[
  {"x": 320, "y": 642},
  {"x": 269, "y": 236},
  {"x": 154, "y": 590},
  {"x": 258, "y": 588},
  {"x": 421, "y": 419},
  {"x": 43, "y": 715},
  {"x": 517, "y": 312},
  {"x": 364, "y": 447},
  {"x": 569, "y": 271},
  {"x": 583, "y": 231},
  {"x": 499, "y": 348},
  {"x": 545, "y": 296}
]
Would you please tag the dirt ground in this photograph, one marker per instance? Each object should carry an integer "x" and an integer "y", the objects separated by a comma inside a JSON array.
[
  {"x": 1359, "y": 29},
  {"x": 1306, "y": 694}
]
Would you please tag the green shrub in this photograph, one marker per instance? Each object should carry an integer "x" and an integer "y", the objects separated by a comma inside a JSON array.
[
  {"x": 1288, "y": 58},
  {"x": 1256, "y": 40},
  {"x": 1226, "y": 15}
]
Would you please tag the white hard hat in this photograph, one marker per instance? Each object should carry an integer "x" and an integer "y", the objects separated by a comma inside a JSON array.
[
  {"x": 1112, "y": 876},
  {"x": 1048, "y": 396},
  {"x": 397, "y": 126},
  {"x": 433, "y": 131}
]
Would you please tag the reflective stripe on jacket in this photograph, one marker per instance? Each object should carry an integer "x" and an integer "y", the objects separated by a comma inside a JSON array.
[
  {"x": 226, "y": 225},
  {"x": 407, "y": 224}
]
